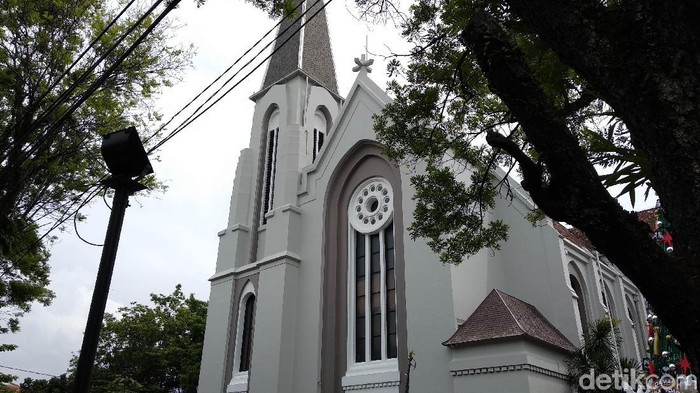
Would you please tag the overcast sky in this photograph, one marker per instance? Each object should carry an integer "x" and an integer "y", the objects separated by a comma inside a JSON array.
[{"x": 171, "y": 238}]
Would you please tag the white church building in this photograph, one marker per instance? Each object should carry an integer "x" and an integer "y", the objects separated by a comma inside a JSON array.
[{"x": 319, "y": 287}]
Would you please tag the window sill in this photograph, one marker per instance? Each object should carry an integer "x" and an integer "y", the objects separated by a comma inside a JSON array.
[
  {"x": 378, "y": 376},
  {"x": 239, "y": 383}
]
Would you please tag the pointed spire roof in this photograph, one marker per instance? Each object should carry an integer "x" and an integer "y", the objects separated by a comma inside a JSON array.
[
  {"x": 501, "y": 316},
  {"x": 309, "y": 50}
]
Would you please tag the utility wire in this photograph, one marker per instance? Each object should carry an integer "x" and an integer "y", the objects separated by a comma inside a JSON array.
[
  {"x": 64, "y": 217},
  {"x": 226, "y": 71},
  {"x": 195, "y": 113},
  {"x": 28, "y": 371},
  {"x": 75, "y": 217},
  {"x": 64, "y": 96},
  {"x": 193, "y": 118},
  {"x": 78, "y": 59}
]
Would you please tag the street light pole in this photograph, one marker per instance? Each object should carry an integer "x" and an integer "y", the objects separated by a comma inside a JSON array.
[
  {"x": 126, "y": 158},
  {"x": 122, "y": 189}
]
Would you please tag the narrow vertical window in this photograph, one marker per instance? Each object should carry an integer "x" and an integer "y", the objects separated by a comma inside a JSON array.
[
  {"x": 373, "y": 278},
  {"x": 247, "y": 336},
  {"x": 580, "y": 301},
  {"x": 270, "y": 167},
  {"x": 360, "y": 296},
  {"x": 320, "y": 129},
  {"x": 391, "y": 349}
]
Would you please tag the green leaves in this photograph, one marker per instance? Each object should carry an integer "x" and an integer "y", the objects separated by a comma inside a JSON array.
[
  {"x": 451, "y": 214},
  {"x": 601, "y": 344},
  {"x": 631, "y": 168},
  {"x": 152, "y": 348},
  {"x": 40, "y": 40}
]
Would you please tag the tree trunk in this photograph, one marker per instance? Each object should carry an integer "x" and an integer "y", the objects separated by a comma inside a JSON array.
[{"x": 573, "y": 192}]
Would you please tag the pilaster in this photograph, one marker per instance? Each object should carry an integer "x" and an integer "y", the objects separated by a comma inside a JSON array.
[
  {"x": 272, "y": 367},
  {"x": 234, "y": 242}
]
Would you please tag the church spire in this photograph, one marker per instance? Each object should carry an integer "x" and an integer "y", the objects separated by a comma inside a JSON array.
[{"x": 309, "y": 50}]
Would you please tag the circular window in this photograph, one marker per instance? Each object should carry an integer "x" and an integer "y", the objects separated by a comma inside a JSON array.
[{"x": 371, "y": 206}]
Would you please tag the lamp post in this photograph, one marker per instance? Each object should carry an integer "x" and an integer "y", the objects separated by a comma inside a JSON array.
[{"x": 126, "y": 159}]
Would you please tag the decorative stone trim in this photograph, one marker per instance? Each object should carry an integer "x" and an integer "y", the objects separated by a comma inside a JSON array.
[
  {"x": 292, "y": 208},
  {"x": 371, "y": 206},
  {"x": 240, "y": 227},
  {"x": 374, "y": 385},
  {"x": 508, "y": 368},
  {"x": 280, "y": 257}
]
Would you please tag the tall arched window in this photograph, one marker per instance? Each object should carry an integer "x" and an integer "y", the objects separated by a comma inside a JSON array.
[
  {"x": 245, "y": 325},
  {"x": 633, "y": 317},
  {"x": 352, "y": 307},
  {"x": 273, "y": 130},
  {"x": 320, "y": 130},
  {"x": 609, "y": 300},
  {"x": 580, "y": 301},
  {"x": 247, "y": 335},
  {"x": 371, "y": 277}
]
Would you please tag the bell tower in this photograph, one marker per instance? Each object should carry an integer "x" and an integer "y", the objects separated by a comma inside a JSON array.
[{"x": 254, "y": 292}]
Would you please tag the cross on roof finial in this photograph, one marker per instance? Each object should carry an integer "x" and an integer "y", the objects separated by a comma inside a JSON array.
[{"x": 363, "y": 63}]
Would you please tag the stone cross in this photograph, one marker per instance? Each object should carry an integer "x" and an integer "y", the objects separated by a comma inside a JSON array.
[{"x": 363, "y": 63}]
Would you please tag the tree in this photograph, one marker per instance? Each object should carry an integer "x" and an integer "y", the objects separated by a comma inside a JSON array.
[
  {"x": 558, "y": 90},
  {"x": 49, "y": 165},
  {"x": 599, "y": 355},
  {"x": 60, "y": 384},
  {"x": 155, "y": 348}
]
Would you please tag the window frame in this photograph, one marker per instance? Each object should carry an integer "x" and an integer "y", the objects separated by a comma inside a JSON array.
[
  {"x": 384, "y": 362},
  {"x": 239, "y": 379},
  {"x": 270, "y": 173}
]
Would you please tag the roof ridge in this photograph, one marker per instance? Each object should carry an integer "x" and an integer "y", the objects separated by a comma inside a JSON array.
[{"x": 517, "y": 321}]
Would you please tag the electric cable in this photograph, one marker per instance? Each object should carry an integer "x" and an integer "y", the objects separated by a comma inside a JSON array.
[
  {"x": 64, "y": 96},
  {"x": 80, "y": 57},
  {"x": 28, "y": 371},
  {"x": 193, "y": 118},
  {"x": 75, "y": 217},
  {"x": 195, "y": 113},
  {"x": 226, "y": 71},
  {"x": 64, "y": 217}
]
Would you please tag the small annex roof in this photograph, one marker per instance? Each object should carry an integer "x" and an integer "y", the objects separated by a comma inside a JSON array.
[{"x": 501, "y": 316}]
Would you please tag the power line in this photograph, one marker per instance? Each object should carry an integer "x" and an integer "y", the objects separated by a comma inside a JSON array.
[
  {"x": 228, "y": 69},
  {"x": 193, "y": 118},
  {"x": 80, "y": 57},
  {"x": 67, "y": 214},
  {"x": 75, "y": 217},
  {"x": 28, "y": 371},
  {"x": 195, "y": 115},
  {"x": 64, "y": 96}
]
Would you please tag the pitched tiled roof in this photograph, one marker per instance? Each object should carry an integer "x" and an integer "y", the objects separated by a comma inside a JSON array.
[
  {"x": 574, "y": 235},
  {"x": 501, "y": 316},
  {"x": 580, "y": 239}
]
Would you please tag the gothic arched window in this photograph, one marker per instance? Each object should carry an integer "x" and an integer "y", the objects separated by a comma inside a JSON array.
[
  {"x": 273, "y": 131},
  {"x": 243, "y": 350},
  {"x": 247, "y": 334},
  {"x": 580, "y": 302},
  {"x": 372, "y": 279},
  {"x": 320, "y": 131}
]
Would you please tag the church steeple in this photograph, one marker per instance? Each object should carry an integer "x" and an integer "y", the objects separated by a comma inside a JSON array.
[{"x": 309, "y": 50}]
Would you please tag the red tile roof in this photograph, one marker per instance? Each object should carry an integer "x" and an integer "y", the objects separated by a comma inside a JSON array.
[
  {"x": 580, "y": 239},
  {"x": 501, "y": 316}
]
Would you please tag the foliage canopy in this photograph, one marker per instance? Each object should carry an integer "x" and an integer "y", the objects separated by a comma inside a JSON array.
[
  {"x": 49, "y": 161},
  {"x": 556, "y": 91},
  {"x": 155, "y": 348}
]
